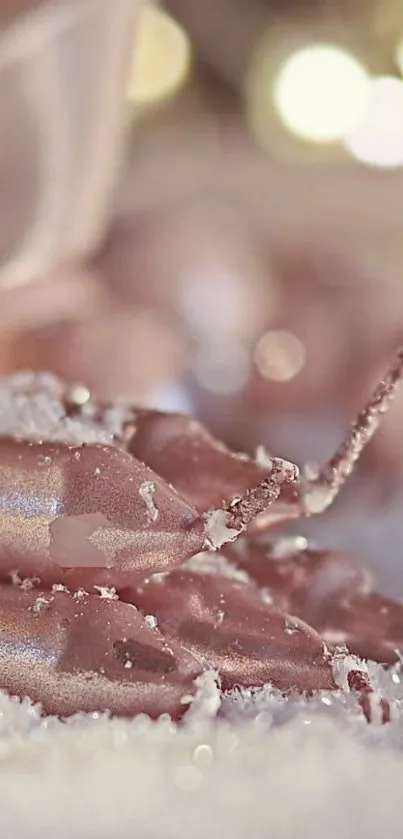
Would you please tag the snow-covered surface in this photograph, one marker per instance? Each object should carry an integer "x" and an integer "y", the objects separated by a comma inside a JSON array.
[
  {"x": 264, "y": 767},
  {"x": 32, "y": 407}
]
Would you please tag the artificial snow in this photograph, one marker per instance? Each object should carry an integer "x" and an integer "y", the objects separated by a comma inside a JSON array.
[
  {"x": 218, "y": 534},
  {"x": 146, "y": 492},
  {"x": 32, "y": 408},
  {"x": 286, "y": 546},
  {"x": 208, "y": 562},
  {"x": 257, "y": 766}
]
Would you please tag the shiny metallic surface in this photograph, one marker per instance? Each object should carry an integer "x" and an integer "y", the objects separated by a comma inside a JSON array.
[
  {"x": 227, "y": 624},
  {"x": 370, "y": 625},
  {"x": 206, "y": 472},
  {"x": 86, "y": 653},
  {"x": 76, "y": 515},
  {"x": 81, "y": 507},
  {"x": 328, "y": 591},
  {"x": 298, "y": 576},
  {"x": 203, "y": 470}
]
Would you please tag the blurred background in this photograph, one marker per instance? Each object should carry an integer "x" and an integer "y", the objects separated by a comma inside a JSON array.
[{"x": 248, "y": 264}]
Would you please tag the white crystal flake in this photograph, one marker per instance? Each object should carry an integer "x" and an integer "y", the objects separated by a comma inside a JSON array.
[
  {"x": 286, "y": 546},
  {"x": 262, "y": 457},
  {"x": 217, "y": 532},
  {"x": 107, "y": 593},
  {"x": 41, "y": 603},
  {"x": 80, "y": 593},
  {"x": 28, "y": 583},
  {"x": 316, "y": 498},
  {"x": 146, "y": 492},
  {"x": 58, "y": 587},
  {"x": 210, "y": 562},
  {"x": 151, "y": 620}
]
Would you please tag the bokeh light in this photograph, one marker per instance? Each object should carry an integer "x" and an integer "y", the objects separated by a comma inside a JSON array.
[
  {"x": 221, "y": 367},
  {"x": 320, "y": 93},
  {"x": 279, "y": 355},
  {"x": 161, "y": 60},
  {"x": 378, "y": 140},
  {"x": 214, "y": 301}
]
